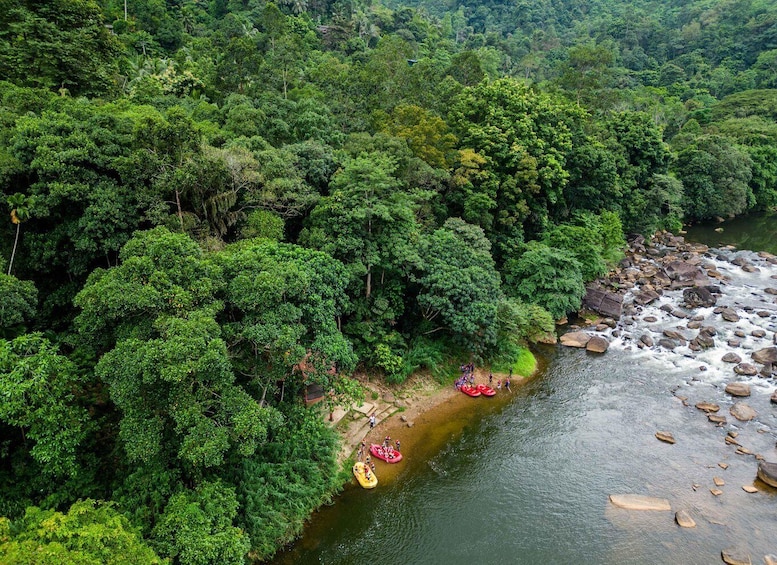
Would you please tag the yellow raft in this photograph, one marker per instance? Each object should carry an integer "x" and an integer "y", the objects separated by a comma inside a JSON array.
[{"x": 360, "y": 470}]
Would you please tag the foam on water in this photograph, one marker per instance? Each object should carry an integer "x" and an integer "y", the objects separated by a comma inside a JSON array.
[{"x": 743, "y": 291}]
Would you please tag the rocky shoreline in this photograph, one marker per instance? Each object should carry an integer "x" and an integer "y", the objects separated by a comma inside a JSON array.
[{"x": 708, "y": 311}]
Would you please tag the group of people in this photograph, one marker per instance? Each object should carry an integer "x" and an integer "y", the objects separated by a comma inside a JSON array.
[{"x": 468, "y": 377}]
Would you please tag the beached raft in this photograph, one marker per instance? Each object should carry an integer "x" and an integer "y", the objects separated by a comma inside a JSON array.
[
  {"x": 360, "y": 472},
  {"x": 387, "y": 454}
]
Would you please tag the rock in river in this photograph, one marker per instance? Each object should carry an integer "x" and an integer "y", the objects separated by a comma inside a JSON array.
[
  {"x": 597, "y": 344},
  {"x": 575, "y": 339},
  {"x": 684, "y": 519},
  {"x": 731, "y": 357},
  {"x": 707, "y": 406},
  {"x": 742, "y": 412},
  {"x": 738, "y": 389},
  {"x": 639, "y": 502},
  {"x": 665, "y": 436},
  {"x": 745, "y": 369},
  {"x": 767, "y": 472},
  {"x": 765, "y": 355},
  {"x": 735, "y": 556}
]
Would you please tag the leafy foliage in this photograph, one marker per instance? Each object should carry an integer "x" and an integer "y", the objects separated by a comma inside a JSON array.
[{"x": 90, "y": 533}]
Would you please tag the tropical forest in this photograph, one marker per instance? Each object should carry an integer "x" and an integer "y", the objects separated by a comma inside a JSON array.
[{"x": 210, "y": 206}]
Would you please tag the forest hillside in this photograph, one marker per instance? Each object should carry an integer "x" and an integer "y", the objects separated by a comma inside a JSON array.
[{"x": 211, "y": 206}]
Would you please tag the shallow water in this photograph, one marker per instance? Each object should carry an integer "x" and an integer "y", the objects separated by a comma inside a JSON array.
[{"x": 528, "y": 481}]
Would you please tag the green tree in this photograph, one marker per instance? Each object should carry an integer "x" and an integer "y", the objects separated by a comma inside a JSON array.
[
  {"x": 524, "y": 136},
  {"x": 548, "y": 277},
  {"x": 40, "y": 391},
  {"x": 459, "y": 285},
  {"x": 18, "y": 302},
  {"x": 90, "y": 533},
  {"x": 60, "y": 45},
  {"x": 197, "y": 527},
  {"x": 715, "y": 174}
]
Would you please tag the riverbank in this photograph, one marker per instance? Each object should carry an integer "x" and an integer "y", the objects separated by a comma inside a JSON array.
[{"x": 414, "y": 412}]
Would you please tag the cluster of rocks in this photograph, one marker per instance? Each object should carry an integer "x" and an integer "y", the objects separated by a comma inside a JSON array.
[{"x": 668, "y": 263}]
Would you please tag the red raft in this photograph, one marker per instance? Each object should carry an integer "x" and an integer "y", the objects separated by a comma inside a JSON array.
[
  {"x": 485, "y": 390},
  {"x": 470, "y": 390},
  {"x": 389, "y": 455}
]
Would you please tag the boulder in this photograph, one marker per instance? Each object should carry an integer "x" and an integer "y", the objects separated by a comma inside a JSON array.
[
  {"x": 767, "y": 472},
  {"x": 597, "y": 344},
  {"x": 645, "y": 297},
  {"x": 684, "y": 520},
  {"x": 675, "y": 335},
  {"x": 729, "y": 314},
  {"x": 683, "y": 271},
  {"x": 770, "y": 559},
  {"x": 735, "y": 556},
  {"x": 699, "y": 297},
  {"x": 765, "y": 355},
  {"x": 770, "y": 290},
  {"x": 745, "y": 369},
  {"x": 646, "y": 339},
  {"x": 603, "y": 302},
  {"x": 738, "y": 389},
  {"x": 731, "y": 358},
  {"x": 666, "y": 437},
  {"x": 704, "y": 340},
  {"x": 575, "y": 339},
  {"x": 639, "y": 502},
  {"x": 759, "y": 333},
  {"x": 707, "y": 406},
  {"x": 742, "y": 412},
  {"x": 717, "y": 419},
  {"x": 667, "y": 343},
  {"x": 773, "y": 398}
]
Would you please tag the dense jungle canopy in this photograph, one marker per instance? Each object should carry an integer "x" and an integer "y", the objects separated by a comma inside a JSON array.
[{"x": 211, "y": 205}]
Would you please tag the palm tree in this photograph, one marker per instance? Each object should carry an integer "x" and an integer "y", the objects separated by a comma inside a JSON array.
[{"x": 20, "y": 212}]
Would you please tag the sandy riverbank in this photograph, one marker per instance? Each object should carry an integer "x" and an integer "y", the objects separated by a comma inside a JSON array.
[{"x": 430, "y": 414}]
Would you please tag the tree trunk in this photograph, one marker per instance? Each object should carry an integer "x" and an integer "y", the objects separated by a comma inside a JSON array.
[
  {"x": 15, "y": 241},
  {"x": 369, "y": 282},
  {"x": 178, "y": 203}
]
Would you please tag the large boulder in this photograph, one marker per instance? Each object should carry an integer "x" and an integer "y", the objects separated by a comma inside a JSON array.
[
  {"x": 646, "y": 297},
  {"x": 765, "y": 355},
  {"x": 745, "y": 369},
  {"x": 699, "y": 297},
  {"x": 731, "y": 357},
  {"x": 738, "y": 389},
  {"x": 729, "y": 314},
  {"x": 684, "y": 519},
  {"x": 575, "y": 339},
  {"x": 682, "y": 271},
  {"x": 767, "y": 472},
  {"x": 597, "y": 344},
  {"x": 735, "y": 556},
  {"x": 605, "y": 303},
  {"x": 742, "y": 412},
  {"x": 639, "y": 502}
]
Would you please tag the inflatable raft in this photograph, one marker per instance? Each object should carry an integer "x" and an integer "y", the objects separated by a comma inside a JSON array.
[
  {"x": 389, "y": 455},
  {"x": 360, "y": 471},
  {"x": 485, "y": 390}
]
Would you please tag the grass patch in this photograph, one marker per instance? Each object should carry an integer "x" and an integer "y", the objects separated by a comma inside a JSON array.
[{"x": 521, "y": 360}]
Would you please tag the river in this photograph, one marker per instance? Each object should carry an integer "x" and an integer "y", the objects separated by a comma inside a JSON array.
[{"x": 527, "y": 481}]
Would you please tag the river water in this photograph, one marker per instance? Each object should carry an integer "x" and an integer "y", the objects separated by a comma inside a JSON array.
[{"x": 527, "y": 481}]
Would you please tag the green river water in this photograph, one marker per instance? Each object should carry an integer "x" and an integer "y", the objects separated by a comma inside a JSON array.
[{"x": 527, "y": 480}]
